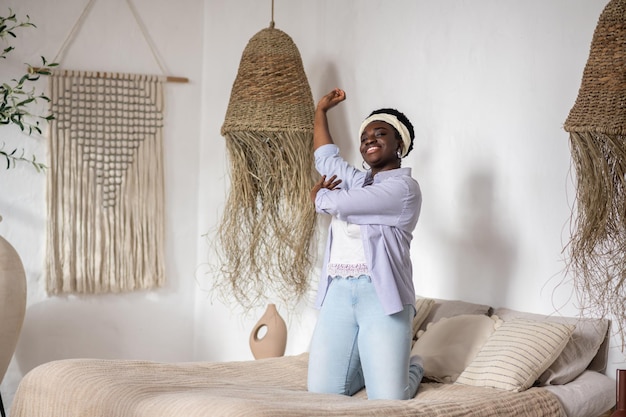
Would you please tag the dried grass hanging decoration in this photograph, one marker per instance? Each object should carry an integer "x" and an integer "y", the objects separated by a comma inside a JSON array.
[
  {"x": 597, "y": 131},
  {"x": 265, "y": 234}
]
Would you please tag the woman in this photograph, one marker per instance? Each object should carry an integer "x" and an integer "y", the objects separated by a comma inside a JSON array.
[{"x": 366, "y": 296}]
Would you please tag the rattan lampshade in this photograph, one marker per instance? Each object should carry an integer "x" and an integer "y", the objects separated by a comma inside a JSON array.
[
  {"x": 601, "y": 103},
  {"x": 268, "y": 222},
  {"x": 271, "y": 92}
]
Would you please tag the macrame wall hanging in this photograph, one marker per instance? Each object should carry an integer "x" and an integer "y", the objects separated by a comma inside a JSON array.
[
  {"x": 266, "y": 230},
  {"x": 105, "y": 179},
  {"x": 597, "y": 132}
]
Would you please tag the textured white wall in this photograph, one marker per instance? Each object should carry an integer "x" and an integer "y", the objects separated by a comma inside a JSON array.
[{"x": 487, "y": 84}]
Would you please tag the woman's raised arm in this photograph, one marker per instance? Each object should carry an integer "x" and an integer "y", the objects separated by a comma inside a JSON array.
[{"x": 321, "y": 133}]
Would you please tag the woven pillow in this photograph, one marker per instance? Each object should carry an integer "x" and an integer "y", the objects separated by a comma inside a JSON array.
[
  {"x": 422, "y": 309},
  {"x": 578, "y": 353},
  {"x": 449, "y": 345},
  {"x": 516, "y": 354}
]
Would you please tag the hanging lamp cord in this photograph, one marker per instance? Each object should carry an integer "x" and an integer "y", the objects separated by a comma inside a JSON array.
[{"x": 272, "y": 21}]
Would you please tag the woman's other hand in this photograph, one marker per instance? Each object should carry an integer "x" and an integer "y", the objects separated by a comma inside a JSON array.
[{"x": 330, "y": 184}]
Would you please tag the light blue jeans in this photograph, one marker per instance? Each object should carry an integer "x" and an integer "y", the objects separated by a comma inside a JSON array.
[{"x": 355, "y": 344}]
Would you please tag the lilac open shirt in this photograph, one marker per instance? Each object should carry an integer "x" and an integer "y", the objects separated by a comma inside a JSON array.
[{"x": 387, "y": 211}]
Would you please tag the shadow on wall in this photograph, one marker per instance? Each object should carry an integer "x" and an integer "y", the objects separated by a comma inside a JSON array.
[
  {"x": 482, "y": 254},
  {"x": 59, "y": 328}
]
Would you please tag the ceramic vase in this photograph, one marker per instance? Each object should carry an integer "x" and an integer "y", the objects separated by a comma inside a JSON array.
[
  {"x": 12, "y": 302},
  {"x": 273, "y": 341},
  {"x": 620, "y": 382}
]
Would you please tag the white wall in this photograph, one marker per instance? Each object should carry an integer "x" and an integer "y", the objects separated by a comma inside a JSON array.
[
  {"x": 487, "y": 84},
  {"x": 155, "y": 325}
]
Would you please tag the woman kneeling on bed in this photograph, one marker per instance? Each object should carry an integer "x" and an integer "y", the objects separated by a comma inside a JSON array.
[{"x": 366, "y": 295}]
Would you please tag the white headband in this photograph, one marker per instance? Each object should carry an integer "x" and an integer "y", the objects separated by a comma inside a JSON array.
[{"x": 393, "y": 121}]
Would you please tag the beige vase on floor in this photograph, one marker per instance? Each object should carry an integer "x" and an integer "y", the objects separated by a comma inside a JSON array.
[
  {"x": 12, "y": 302},
  {"x": 272, "y": 343}
]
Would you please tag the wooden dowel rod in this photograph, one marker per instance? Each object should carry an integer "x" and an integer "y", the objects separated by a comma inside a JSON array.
[
  {"x": 177, "y": 79},
  {"x": 169, "y": 79}
]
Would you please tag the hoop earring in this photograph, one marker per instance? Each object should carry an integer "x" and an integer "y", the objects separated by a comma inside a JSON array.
[{"x": 365, "y": 166}]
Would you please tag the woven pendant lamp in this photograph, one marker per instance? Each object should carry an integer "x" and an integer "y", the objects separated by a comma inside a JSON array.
[
  {"x": 268, "y": 223},
  {"x": 597, "y": 132},
  {"x": 271, "y": 92}
]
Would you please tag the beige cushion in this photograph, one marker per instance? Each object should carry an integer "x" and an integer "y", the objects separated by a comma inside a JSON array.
[
  {"x": 450, "y": 344},
  {"x": 580, "y": 350},
  {"x": 450, "y": 308},
  {"x": 422, "y": 309},
  {"x": 516, "y": 354}
]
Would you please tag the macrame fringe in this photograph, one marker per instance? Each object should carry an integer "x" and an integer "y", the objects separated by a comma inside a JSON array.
[{"x": 105, "y": 183}]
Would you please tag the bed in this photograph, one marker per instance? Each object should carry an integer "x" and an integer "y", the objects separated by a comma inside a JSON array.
[{"x": 277, "y": 386}]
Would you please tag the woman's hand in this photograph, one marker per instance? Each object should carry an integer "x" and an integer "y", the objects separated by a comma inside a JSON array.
[
  {"x": 331, "y": 99},
  {"x": 330, "y": 184}
]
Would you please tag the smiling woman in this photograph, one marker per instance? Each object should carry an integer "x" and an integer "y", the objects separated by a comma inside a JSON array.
[
  {"x": 366, "y": 292},
  {"x": 386, "y": 125}
]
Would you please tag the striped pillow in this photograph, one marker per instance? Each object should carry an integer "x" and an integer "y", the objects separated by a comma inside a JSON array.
[{"x": 516, "y": 354}]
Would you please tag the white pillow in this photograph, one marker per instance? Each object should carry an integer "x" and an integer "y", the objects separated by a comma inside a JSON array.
[
  {"x": 516, "y": 354},
  {"x": 450, "y": 344}
]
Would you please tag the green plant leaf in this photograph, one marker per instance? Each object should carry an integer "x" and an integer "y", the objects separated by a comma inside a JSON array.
[{"x": 17, "y": 95}]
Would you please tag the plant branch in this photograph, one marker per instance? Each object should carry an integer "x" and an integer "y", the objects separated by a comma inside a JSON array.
[
  {"x": 18, "y": 95},
  {"x": 12, "y": 157}
]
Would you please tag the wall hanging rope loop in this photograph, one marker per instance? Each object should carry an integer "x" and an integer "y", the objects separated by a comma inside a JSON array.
[{"x": 144, "y": 31}]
